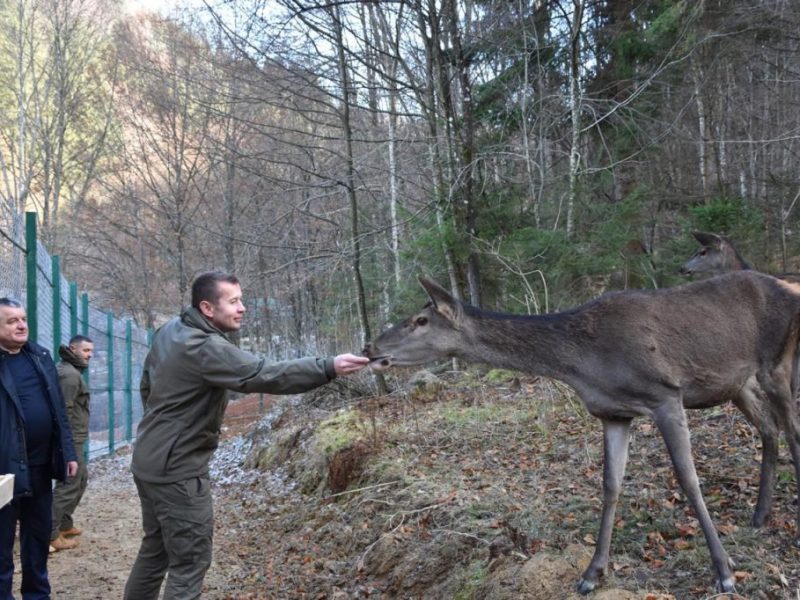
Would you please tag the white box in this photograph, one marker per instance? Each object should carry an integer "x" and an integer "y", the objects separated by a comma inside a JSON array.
[{"x": 6, "y": 489}]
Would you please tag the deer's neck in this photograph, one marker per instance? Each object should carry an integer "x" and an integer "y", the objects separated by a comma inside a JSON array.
[
  {"x": 733, "y": 261},
  {"x": 538, "y": 345}
]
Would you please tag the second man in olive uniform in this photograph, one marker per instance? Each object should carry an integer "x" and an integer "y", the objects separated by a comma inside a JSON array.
[{"x": 67, "y": 495}]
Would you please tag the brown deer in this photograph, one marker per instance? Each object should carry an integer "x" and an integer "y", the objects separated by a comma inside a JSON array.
[
  {"x": 716, "y": 255},
  {"x": 635, "y": 354}
]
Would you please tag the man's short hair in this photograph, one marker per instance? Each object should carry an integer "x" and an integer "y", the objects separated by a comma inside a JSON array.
[
  {"x": 5, "y": 301},
  {"x": 79, "y": 339},
  {"x": 206, "y": 286}
]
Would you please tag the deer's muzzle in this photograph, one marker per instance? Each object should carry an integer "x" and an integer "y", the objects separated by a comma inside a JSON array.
[{"x": 379, "y": 362}]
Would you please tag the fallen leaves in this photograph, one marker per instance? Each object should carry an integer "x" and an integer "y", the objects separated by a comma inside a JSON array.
[{"x": 541, "y": 477}]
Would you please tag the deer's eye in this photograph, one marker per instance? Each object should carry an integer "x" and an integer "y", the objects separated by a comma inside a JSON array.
[{"x": 421, "y": 321}]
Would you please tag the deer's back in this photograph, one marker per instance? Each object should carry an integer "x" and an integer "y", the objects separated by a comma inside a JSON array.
[{"x": 705, "y": 339}]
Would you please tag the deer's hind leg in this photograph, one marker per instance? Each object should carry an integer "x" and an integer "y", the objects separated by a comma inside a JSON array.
[
  {"x": 786, "y": 413},
  {"x": 753, "y": 404},
  {"x": 616, "y": 437},
  {"x": 671, "y": 421},
  {"x": 794, "y": 447}
]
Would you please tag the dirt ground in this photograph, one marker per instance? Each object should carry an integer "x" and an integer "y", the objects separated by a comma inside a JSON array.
[{"x": 110, "y": 519}]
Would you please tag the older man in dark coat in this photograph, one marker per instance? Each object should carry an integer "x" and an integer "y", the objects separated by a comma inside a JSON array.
[{"x": 35, "y": 446}]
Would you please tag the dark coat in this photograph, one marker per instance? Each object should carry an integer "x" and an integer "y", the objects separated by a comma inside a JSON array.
[{"x": 13, "y": 453}]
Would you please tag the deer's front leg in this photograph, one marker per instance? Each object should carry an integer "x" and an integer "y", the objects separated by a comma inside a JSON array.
[
  {"x": 671, "y": 421},
  {"x": 616, "y": 435}
]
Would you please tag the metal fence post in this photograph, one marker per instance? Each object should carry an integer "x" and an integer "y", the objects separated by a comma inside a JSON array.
[
  {"x": 85, "y": 314},
  {"x": 73, "y": 309},
  {"x": 110, "y": 367},
  {"x": 56, "y": 272},
  {"x": 31, "y": 284},
  {"x": 128, "y": 380}
]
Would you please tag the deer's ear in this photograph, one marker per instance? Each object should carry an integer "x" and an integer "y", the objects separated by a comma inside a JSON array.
[
  {"x": 443, "y": 302},
  {"x": 707, "y": 239}
]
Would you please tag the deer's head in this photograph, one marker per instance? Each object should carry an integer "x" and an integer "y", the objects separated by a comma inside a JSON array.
[
  {"x": 716, "y": 255},
  {"x": 431, "y": 334}
]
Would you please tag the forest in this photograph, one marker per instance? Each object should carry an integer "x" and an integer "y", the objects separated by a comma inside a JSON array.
[{"x": 528, "y": 155}]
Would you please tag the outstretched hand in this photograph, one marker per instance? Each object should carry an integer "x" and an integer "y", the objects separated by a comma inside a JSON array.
[{"x": 345, "y": 364}]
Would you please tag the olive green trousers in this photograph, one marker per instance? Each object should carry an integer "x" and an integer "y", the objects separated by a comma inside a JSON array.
[
  {"x": 178, "y": 524},
  {"x": 66, "y": 497}
]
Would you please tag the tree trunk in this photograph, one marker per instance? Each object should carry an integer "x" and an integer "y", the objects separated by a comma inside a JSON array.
[
  {"x": 350, "y": 188},
  {"x": 702, "y": 126},
  {"x": 464, "y": 206},
  {"x": 575, "y": 100}
]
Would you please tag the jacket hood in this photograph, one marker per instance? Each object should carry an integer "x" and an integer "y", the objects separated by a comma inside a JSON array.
[
  {"x": 194, "y": 318},
  {"x": 69, "y": 356}
]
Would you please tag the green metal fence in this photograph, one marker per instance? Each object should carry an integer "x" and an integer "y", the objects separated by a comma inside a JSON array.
[{"x": 57, "y": 311}]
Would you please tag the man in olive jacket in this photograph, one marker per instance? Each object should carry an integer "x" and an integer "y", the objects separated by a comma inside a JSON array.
[
  {"x": 187, "y": 374},
  {"x": 75, "y": 359}
]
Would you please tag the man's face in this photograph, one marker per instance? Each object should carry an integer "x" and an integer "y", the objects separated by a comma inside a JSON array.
[
  {"x": 226, "y": 314},
  {"x": 13, "y": 328},
  {"x": 83, "y": 350}
]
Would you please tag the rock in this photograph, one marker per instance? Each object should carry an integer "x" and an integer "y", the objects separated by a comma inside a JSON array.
[
  {"x": 425, "y": 386},
  {"x": 544, "y": 576}
]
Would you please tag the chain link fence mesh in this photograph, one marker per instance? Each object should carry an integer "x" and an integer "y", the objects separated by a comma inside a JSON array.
[
  {"x": 56, "y": 314},
  {"x": 12, "y": 256}
]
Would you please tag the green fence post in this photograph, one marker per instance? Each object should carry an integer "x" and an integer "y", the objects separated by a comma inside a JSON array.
[
  {"x": 128, "y": 380},
  {"x": 84, "y": 324},
  {"x": 85, "y": 314},
  {"x": 110, "y": 366},
  {"x": 73, "y": 292},
  {"x": 32, "y": 300},
  {"x": 56, "y": 273},
  {"x": 73, "y": 309}
]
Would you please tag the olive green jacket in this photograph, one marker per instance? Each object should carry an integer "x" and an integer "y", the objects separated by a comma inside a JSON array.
[
  {"x": 187, "y": 374},
  {"x": 75, "y": 392}
]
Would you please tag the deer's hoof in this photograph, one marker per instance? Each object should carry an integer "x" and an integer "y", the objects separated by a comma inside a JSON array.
[
  {"x": 726, "y": 586},
  {"x": 760, "y": 519},
  {"x": 585, "y": 586}
]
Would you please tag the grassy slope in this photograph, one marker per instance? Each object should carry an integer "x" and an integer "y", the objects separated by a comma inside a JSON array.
[{"x": 449, "y": 491}]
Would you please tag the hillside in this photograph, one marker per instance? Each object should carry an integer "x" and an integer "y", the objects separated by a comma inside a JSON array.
[{"x": 490, "y": 487}]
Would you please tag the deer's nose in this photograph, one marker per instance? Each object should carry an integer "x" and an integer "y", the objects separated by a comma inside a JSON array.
[{"x": 367, "y": 349}]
